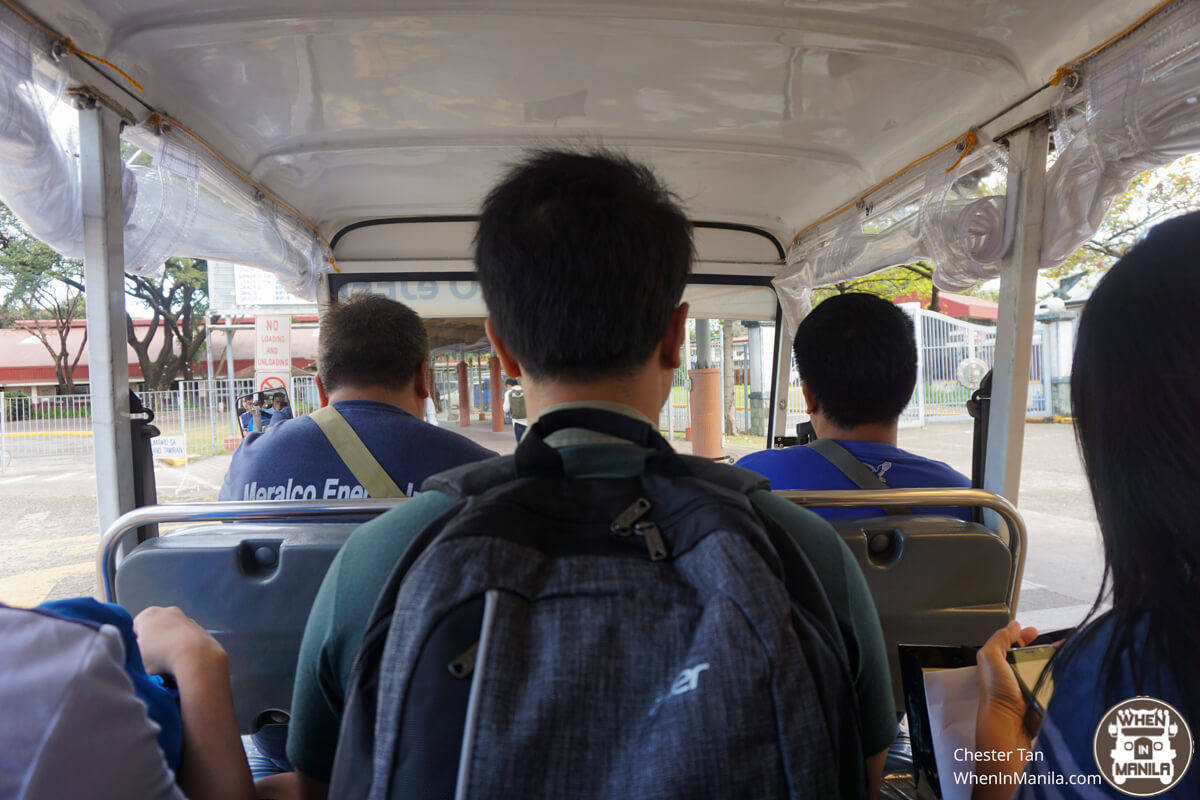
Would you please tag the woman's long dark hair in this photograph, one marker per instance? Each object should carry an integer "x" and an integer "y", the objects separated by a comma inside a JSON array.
[{"x": 1135, "y": 395}]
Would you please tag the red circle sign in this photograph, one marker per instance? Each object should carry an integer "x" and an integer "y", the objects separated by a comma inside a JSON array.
[{"x": 272, "y": 382}]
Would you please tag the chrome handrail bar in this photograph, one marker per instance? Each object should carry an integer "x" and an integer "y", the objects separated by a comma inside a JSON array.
[
  {"x": 259, "y": 511},
  {"x": 223, "y": 511},
  {"x": 929, "y": 498}
]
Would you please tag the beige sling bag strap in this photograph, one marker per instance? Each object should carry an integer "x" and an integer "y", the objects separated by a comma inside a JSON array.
[{"x": 366, "y": 470}]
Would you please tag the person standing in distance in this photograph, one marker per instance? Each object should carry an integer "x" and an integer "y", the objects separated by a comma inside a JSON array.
[{"x": 514, "y": 406}]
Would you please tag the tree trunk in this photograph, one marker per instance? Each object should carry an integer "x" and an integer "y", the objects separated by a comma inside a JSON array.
[
  {"x": 934, "y": 305},
  {"x": 727, "y": 368}
]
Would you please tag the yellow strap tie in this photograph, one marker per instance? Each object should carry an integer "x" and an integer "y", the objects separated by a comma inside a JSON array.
[
  {"x": 966, "y": 143},
  {"x": 1060, "y": 75},
  {"x": 71, "y": 48}
]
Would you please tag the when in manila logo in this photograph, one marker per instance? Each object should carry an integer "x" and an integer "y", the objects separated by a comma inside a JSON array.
[{"x": 1143, "y": 747}]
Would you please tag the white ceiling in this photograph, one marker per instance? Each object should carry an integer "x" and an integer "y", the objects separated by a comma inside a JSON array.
[{"x": 764, "y": 112}]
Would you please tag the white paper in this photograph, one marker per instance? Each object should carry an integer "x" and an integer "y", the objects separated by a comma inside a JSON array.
[{"x": 952, "y": 696}]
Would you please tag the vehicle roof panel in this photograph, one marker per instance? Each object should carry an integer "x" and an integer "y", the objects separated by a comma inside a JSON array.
[{"x": 764, "y": 112}]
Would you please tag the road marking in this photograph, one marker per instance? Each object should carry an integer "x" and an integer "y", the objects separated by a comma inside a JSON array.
[
  {"x": 31, "y": 588},
  {"x": 7, "y": 481},
  {"x": 62, "y": 476}
]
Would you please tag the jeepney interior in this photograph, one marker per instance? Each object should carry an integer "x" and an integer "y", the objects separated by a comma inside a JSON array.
[{"x": 348, "y": 147}]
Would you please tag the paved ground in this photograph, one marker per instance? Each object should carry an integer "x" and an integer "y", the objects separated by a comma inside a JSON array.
[{"x": 47, "y": 547}]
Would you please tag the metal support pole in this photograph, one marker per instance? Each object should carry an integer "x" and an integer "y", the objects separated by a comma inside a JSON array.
[
  {"x": 183, "y": 424},
  {"x": 210, "y": 386},
  {"x": 922, "y": 376},
  {"x": 1014, "y": 330},
  {"x": 3, "y": 433},
  {"x": 104, "y": 272},
  {"x": 235, "y": 428},
  {"x": 703, "y": 345}
]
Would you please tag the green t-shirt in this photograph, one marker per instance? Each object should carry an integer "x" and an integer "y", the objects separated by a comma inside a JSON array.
[{"x": 347, "y": 597}]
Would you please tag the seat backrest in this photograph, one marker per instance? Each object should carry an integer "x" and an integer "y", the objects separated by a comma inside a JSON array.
[
  {"x": 935, "y": 580},
  {"x": 251, "y": 585}
]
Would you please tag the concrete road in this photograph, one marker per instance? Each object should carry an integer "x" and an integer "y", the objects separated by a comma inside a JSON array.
[
  {"x": 50, "y": 526},
  {"x": 49, "y": 539}
]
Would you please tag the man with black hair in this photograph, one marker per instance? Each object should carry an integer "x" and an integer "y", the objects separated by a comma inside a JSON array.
[
  {"x": 857, "y": 359},
  {"x": 582, "y": 259},
  {"x": 371, "y": 368}
]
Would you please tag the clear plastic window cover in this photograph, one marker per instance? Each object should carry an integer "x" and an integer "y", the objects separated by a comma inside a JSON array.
[
  {"x": 188, "y": 204},
  {"x": 1133, "y": 110},
  {"x": 953, "y": 216}
]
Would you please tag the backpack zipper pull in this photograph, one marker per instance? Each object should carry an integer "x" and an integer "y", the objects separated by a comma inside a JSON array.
[
  {"x": 654, "y": 541},
  {"x": 623, "y": 524}
]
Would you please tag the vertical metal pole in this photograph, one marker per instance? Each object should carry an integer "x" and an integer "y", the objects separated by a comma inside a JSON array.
[
  {"x": 3, "y": 433},
  {"x": 919, "y": 331},
  {"x": 1014, "y": 330},
  {"x": 234, "y": 411},
  {"x": 210, "y": 387},
  {"x": 183, "y": 425},
  {"x": 104, "y": 272}
]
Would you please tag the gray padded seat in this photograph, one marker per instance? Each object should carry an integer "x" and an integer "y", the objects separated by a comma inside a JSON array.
[
  {"x": 935, "y": 580},
  {"x": 251, "y": 584}
]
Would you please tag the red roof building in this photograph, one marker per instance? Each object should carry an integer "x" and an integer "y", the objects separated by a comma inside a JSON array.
[
  {"x": 959, "y": 306},
  {"x": 26, "y": 365}
]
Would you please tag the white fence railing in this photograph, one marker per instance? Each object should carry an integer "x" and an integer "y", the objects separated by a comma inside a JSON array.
[
  {"x": 942, "y": 344},
  {"x": 205, "y": 416}
]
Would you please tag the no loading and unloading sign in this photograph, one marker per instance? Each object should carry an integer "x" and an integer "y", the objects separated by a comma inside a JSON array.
[{"x": 1143, "y": 747}]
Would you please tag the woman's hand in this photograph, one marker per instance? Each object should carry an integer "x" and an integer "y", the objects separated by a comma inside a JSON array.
[{"x": 1000, "y": 724}]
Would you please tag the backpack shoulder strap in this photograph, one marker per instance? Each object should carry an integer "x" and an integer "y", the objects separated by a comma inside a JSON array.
[
  {"x": 350, "y": 448},
  {"x": 859, "y": 473}
]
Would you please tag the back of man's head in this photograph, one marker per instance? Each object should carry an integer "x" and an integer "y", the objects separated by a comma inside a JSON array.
[
  {"x": 370, "y": 341},
  {"x": 859, "y": 357},
  {"x": 581, "y": 257}
]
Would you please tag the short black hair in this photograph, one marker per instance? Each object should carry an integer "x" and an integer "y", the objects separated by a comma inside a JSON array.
[
  {"x": 370, "y": 341},
  {"x": 859, "y": 356},
  {"x": 582, "y": 257}
]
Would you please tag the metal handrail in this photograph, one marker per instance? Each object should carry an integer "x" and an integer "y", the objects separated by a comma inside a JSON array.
[
  {"x": 259, "y": 511},
  {"x": 226, "y": 511},
  {"x": 929, "y": 498}
]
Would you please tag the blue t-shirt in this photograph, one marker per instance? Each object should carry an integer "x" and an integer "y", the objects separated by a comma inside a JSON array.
[
  {"x": 805, "y": 468},
  {"x": 293, "y": 460},
  {"x": 278, "y": 416},
  {"x": 1064, "y": 745}
]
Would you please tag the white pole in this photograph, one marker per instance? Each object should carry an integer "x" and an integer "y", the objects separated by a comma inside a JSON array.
[
  {"x": 104, "y": 270},
  {"x": 183, "y": 425},
  {"x": 211, "y": 386},
  {"x": 3, "y": 433},
  {"x": 919, "y": 331},
  {"x": 1014, "y": 329},
  {"x": 234, "y": 411}
]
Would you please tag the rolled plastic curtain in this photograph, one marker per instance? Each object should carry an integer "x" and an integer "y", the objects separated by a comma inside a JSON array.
[
  {"x": 186, "y": 205},
  {"x": 1142, "y": 111},
  {"x": 964, "y": 237}
]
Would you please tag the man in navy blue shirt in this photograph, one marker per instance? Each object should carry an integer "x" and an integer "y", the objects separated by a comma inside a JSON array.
[
  {"x": 857, "y": 359},
  {"x": 371, "y": 370}
]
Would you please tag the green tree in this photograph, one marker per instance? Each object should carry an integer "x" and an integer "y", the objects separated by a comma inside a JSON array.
[
  {"x": 43, "y": 293},
  {"x": 178, "y": 301},
  {"x": 889, "y": 284}
]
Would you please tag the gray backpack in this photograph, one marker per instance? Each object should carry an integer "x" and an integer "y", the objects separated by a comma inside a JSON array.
[{"x": 642, "y": 637}]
